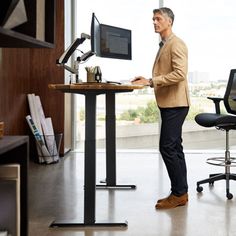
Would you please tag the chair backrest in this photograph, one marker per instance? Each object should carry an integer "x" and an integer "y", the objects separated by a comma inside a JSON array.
[{"x": 230, "y": 93}]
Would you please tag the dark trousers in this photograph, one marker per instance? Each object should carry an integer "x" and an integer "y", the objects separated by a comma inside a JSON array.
[{"x": 171, "y": 147}]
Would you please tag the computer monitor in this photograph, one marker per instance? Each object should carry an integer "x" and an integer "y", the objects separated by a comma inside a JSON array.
[
  {"x": 95, "y": 35},
  {"x": 110, "y": 41}
]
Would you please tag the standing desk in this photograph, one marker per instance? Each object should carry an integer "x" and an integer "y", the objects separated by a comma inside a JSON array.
[{"x": 91, "y": 90}]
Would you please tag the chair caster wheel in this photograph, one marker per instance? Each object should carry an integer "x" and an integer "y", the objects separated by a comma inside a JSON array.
[
  {"x": 199, "y": 189},
  {"x": 229, "y": 195}
]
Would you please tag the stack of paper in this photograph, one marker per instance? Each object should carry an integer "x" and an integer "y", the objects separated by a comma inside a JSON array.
[{"x": 42, "y": 130}]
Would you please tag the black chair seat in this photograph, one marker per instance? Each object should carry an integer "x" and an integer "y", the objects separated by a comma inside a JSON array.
[{"x": 218, "y": 120}]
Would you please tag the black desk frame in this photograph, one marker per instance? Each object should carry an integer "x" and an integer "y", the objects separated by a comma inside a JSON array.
[
  {"x": 90, "y": 156},
  {"x": 110, "y": 181}
]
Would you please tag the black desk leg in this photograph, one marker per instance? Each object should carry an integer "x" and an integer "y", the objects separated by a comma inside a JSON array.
[
  {"x": 110, "y": 181},
  {"x": 89, "y": 172},
  {"x": 90, "y": 159}
]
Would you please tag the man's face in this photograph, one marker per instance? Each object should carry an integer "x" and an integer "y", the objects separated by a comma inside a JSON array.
[{"x": 161, "y": 23}]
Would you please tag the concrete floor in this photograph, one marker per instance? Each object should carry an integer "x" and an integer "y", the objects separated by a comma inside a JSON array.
[{"x": 56, "y": 192}]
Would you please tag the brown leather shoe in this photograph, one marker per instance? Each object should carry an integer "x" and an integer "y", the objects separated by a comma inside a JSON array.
[
  {"x": 172, "y": 201},
  {"x": 162, "y": 199}
]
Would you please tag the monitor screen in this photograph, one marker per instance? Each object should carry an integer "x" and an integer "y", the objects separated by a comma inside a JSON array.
[
  {"x": 95, "y": 35},
  {"x": 110, "y": 41},
  {"x": 115, "y": 42}
]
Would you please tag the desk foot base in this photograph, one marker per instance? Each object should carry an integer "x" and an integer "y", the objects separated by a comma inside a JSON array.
[
  {"x": 66, "y": 224},
  {"x": 117, "y": 186}
]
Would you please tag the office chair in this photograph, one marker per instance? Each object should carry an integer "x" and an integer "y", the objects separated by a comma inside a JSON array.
[{"x": 224, "y": 122}]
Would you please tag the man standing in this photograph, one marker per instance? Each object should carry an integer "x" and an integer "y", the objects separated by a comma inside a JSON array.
[{"x": 169, "y": 80}]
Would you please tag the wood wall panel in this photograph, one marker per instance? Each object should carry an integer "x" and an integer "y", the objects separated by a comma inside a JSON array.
[
  {"x": 14, "y": 85},
  {"x": 23, "y": 71}
]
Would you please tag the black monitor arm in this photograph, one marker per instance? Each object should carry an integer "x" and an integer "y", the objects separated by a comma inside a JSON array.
[{"x": 69, "y": 51}]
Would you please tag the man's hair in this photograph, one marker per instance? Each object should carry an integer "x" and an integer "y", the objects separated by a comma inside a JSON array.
[{"x": 165, "y": 11}]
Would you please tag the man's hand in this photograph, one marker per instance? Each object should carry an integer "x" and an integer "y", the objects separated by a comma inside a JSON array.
[{"x": 140, "y": 80}]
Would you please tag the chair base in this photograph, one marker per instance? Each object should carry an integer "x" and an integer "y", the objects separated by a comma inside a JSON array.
[{"x": 215, "y": 177}]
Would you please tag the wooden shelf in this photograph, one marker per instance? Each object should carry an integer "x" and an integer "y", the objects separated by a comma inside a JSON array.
[
  {"x": 13, "y": 39},
  {"x": 24, "y": 36}
]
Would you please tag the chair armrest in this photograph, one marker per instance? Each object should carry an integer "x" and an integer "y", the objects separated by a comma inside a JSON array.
[{"x": 217, "y": 101}]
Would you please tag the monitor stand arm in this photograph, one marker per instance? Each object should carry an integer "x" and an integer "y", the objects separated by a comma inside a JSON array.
[{"x": 70, "y": 50}]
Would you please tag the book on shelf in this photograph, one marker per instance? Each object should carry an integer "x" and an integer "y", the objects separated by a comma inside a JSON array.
[{"x": 40, "y": 20}]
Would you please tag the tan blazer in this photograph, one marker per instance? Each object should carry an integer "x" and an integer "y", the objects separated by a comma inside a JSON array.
[{"x": 169, "y": 74}]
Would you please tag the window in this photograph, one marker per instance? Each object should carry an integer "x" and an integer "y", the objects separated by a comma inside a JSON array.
[
  {"x": 207, "y": 27},
  {"x": 129, "y": 106}
]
